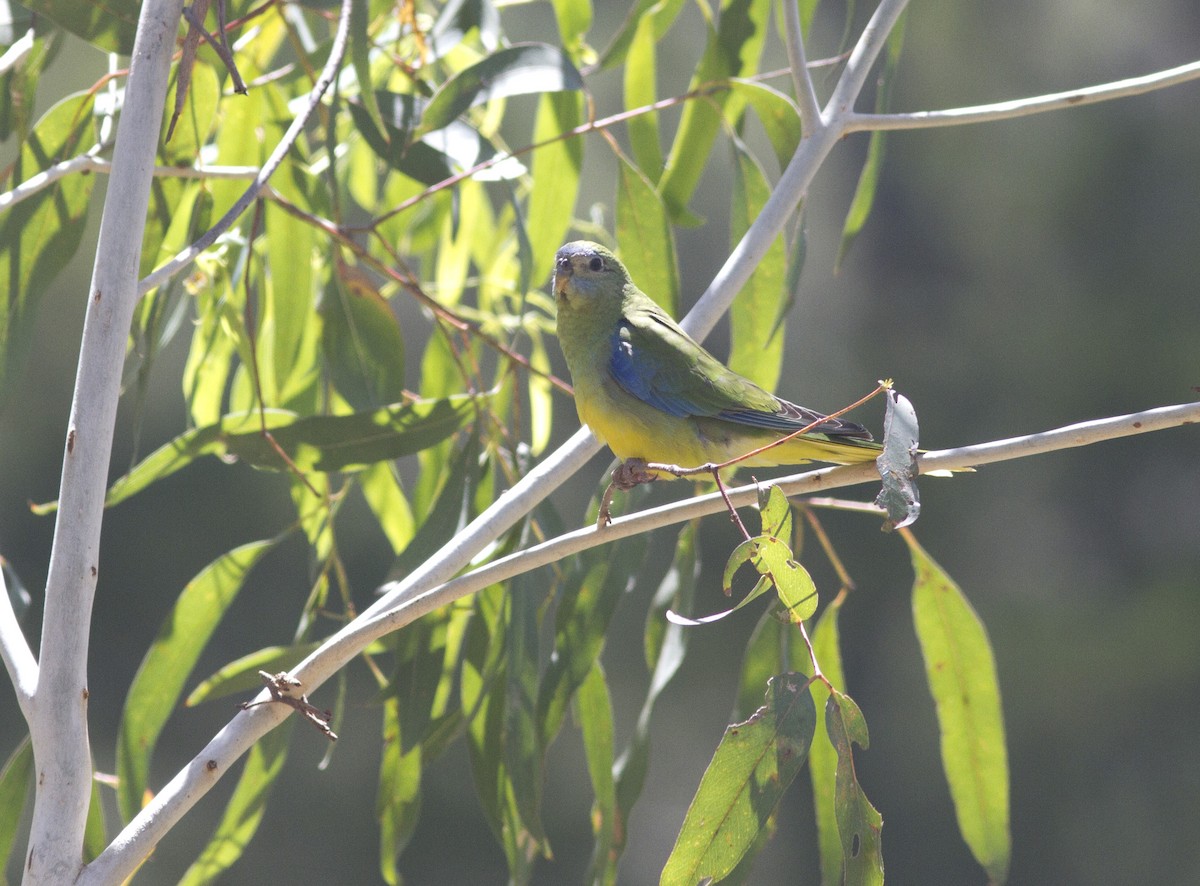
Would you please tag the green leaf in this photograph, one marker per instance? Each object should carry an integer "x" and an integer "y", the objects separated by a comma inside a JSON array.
[
  {"x": 961, "y": 671},
  {"x": 640, "y": 75},
  {"x": 859, "y": 823},
  {"x": 868, "y": 179},
  {"x": 595, "y": 716},
  {"x": 95, "y": 832},
  {"x": 752, "y": 767},
  {"x": 593, "y": 586},
  {"x": 521, "y": 69},
  {"x": 241, "y": 675},
  {"x": 450, "y": 511},
  {"x": 398, "y": 803},
  {"x": 778, "y": 114},
  {"x": 897, "y": 464},
  {"x": 321, "y": 443},
  {"x": 644, "y": 236},
  {"x": 666, "y": 645},
  {"x": 360, "y": 58},
  {"x": 39, "y": 235},
  {"x": 430, "y": 159},
  {"x": 385, "y": 497},
  {"x": 773, "y": 561},
  {"x": 574, "y": 19},
  {"x": 288, "y": 337},
  {"x": 109, "y": 26},
  {"x": 197, "y": 118},
  {"x": 732, "y": 48},
  {"x": 822, "y": 757},
  {"x": 556, "y": 168},
  {"x": 245, "y": 809},
  {"x": 16, "y": 778},
  {"x": 158, "y": 684},
  {"x": 522, "y": 748},
  {"x": 665, "y": 12},
  {"x": 362, "y": 343},
  {"x": 774, "y": 512},
  {"x": 756, "y": 349}
]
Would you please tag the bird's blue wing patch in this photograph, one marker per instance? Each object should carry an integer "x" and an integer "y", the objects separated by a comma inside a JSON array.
[{"x": 638, "y": 378}]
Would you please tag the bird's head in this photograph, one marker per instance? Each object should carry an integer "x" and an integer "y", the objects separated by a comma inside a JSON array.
[{"x": 585, "y": 272}]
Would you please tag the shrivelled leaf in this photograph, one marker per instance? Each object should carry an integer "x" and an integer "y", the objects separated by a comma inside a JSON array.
[
  {"x": 645, "y": 239},
  {"x": 245, "y": 808},
  {"x": 751, "y": 769},
  {"x": 859, "y": 824},
  {"x": 109, "y": 26},
  {"x": 362, "y": 343},
  {"x": 961, "y": 671},
  {"x": 756, "y": 349},
  {"x": 521, "y": 69},
  {"x": 241, "y": 674},
  {"x": 897, "y": 464},
  {"x": 41, "y": 233},
  {"x": 158, "y": 684},
  {"x": 321, "y": 443},
  {"x": 15, "y": 780}
]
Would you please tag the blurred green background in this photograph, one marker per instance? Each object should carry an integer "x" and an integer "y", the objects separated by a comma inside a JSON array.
[{"x": 1014, "y": 277}]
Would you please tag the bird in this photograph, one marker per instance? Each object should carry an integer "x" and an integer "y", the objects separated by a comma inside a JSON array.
[{"x": 653, "y": 394}]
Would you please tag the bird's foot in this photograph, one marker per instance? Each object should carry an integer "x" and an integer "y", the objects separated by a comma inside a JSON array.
[{"x": 628, "y": 474}]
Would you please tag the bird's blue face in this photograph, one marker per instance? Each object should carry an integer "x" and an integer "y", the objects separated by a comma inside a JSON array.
[{"x": 582, "y": 269}]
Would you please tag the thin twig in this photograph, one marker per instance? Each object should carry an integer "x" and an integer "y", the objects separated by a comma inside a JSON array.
[
  {"x": 1024, "y": 107},
  {"x": 89, "y": 162}
]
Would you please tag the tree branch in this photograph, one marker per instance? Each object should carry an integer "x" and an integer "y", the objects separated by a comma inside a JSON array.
[
  {"x": 14, "y": 648},
  {"x": 1024, "y": 107},
  {"x": 416, "y": 596},
  {"x": 89, "y": 162},
  {"x": 802, "y": 82},
  {"x": 175, "y": 798},
  {"x": 58, "y": 726},
  {"x": 186, "y": 256}
]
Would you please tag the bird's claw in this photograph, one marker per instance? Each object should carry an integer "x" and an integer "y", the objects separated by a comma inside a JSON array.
[{"x": 628, "y": 474}]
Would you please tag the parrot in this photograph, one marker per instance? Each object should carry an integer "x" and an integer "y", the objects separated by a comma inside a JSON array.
[{"x": 653, "y": 394}]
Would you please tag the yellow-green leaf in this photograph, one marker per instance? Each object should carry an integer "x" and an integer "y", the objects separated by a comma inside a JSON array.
[
  {"x": 961, "y": 671},
  {"x": 752, "y": 767}
]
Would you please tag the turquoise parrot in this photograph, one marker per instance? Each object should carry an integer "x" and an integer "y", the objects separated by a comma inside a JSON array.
[{"x": 651, "y": 392}]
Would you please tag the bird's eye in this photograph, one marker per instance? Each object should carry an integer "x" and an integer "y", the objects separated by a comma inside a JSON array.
[{"x": 596, "y": 264}]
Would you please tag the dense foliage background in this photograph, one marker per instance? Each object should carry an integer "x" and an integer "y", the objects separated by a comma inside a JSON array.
[{"x": 1012, "y": 277}]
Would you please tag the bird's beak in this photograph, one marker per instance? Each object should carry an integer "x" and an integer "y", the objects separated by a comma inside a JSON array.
[{"x": 562, "y": 273}]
